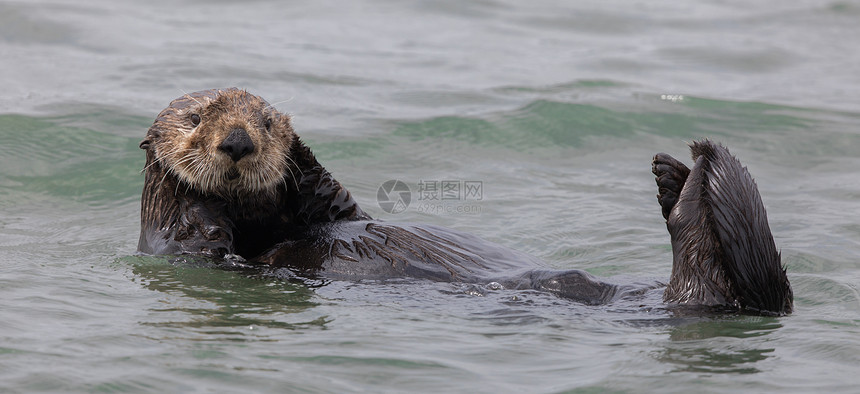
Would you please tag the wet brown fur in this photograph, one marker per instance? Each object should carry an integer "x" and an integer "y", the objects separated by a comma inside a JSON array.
[{"x": 196, "y": 199}]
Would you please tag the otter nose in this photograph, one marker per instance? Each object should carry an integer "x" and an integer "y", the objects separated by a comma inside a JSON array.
[{"x": 237, "y": 145}]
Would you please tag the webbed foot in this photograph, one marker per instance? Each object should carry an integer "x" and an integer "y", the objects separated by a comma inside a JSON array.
[{"x": 671, "y": 176}]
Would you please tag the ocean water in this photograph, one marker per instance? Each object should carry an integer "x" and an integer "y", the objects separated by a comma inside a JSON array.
[{"x": 554, "y": 108}]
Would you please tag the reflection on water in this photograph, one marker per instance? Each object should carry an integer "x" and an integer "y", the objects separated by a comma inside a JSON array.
[
  {"x": 719, "y": 345},
  {"x": 203, "y": 297}
]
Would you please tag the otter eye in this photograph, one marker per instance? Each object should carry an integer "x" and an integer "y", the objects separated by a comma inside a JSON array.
[
  {"x": 268, "y": 123},
  {"x": 195, "y": 119}
]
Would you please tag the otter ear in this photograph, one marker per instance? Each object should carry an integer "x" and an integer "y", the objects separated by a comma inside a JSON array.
[{"x": 145, "y": 144}]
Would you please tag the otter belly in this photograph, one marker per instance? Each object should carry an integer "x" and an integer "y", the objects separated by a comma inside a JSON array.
[
  {"x": 369, "y": 249},
  {"x": 356, "y": 250}
]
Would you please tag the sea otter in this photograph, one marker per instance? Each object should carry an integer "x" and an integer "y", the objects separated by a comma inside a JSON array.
[{"x": 227, "y": 175}]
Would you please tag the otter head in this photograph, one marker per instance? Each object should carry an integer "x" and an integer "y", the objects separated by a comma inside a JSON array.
[{"x": 227, "y": 142}]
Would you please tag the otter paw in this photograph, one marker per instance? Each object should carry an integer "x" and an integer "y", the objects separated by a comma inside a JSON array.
[{"x": 671, "y": 175}]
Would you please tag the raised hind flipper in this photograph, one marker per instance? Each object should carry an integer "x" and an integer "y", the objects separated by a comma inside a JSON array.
[{"x": 723, "y": 251}]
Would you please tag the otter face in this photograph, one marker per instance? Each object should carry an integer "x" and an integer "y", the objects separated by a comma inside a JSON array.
[{"x": 224, "y": 142}]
